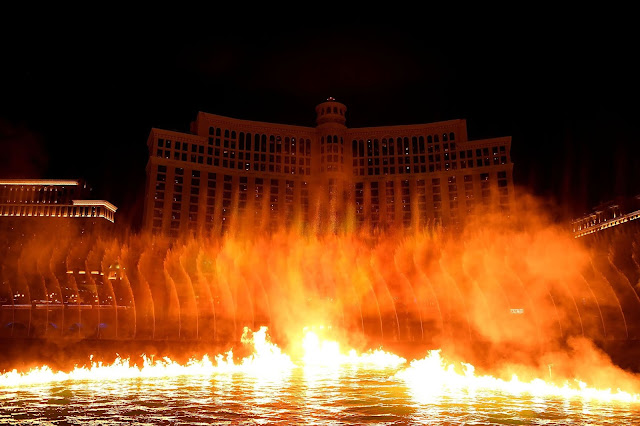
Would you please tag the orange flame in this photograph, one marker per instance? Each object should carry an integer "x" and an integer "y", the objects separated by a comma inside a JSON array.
[
  {"x": 433, "y": 376},
  {"x": 426, "y": 378}
]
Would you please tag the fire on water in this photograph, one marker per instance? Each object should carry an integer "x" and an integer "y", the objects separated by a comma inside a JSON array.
[{"x": 425, "y": 378}]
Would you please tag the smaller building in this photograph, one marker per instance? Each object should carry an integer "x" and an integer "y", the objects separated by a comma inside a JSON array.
[
  {"x": 607, "y": 215},
  {"x": 51, "y": 198},
  {"x": 51, "y": 283},
  {"x": 31, "y": 208}
]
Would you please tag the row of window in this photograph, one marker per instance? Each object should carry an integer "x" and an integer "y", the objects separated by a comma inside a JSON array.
[
  {"x": 225, "y": 197},
  {"x": 359, "y": 168},
  {"x": 259, "y": 164},
  {"x": 373, "y": 150},
  {"x": 37, "y": 194},
  {"x": 245, "y": 141},
  {"x": 227, "y": 159},
  {"x": 405, "y": 145},
  {"x": 57, "y": 211},
  {"x": 329, "y": 110}
]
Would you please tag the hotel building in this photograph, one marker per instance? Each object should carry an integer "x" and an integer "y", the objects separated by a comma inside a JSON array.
[
  {"x": 40, "y": 210},
  {"x": 261, "y": 176},
  {"x": 21, "y": 198},
  {"x": 612, "y": 214}
]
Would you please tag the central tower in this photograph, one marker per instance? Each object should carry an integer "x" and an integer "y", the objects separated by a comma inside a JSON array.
[{"x": 333, "y": 170}]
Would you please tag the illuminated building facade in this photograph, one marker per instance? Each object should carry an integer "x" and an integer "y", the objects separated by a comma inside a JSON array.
[
  {"x": 51, "y": 198},
  {"x": 32, "y": 211},
  {"x": 608, "y": 215},
  {"x": 263, "y": 176}
]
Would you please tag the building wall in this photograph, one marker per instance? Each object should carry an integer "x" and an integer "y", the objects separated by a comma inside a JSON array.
[{"x": 256, "y": 175}]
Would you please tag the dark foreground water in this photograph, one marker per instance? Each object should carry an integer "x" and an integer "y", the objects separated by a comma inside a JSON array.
[{"x": 343, "y": 396}]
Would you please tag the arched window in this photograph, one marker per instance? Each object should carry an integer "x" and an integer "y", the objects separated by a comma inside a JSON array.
[
  {"x": 452, "y": 136},
  {"x": 435, "y": 138},
  {"x": 335, "y": 139},
  {"x": 354, "y": 148},
  {"x": 444, "y": 137},
  {"x": 226, "y": 133},
  {"x": 335, "y": 110},
  {"x": 233, "y": 134},
  {"x": 429, "y": 139},
  {"x": 211, "y": 130}
]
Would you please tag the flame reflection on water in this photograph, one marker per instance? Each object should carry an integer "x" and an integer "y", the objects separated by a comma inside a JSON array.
[{"x": 349, "y": 396}]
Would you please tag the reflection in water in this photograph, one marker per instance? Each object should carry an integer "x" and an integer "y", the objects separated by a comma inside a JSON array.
[{"x": 345, "y": 395}]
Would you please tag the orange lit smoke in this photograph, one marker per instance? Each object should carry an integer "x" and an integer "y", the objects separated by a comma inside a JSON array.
[{"x": 506, "y": 294}]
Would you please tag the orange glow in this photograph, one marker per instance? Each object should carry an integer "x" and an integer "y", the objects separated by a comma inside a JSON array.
[{"x": 521, "y": 297}]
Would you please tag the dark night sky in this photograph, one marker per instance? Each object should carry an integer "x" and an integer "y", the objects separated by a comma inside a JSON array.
[{"x": 79, "y": 100}]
